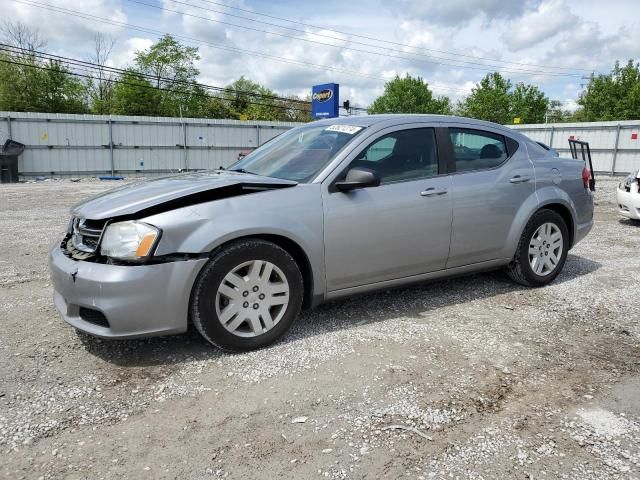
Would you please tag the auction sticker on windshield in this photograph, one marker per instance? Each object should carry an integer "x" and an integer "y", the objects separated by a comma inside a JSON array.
[{"x": 350, "y": 129}]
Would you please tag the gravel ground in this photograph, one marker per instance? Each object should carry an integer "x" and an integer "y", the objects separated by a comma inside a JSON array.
[{"x": 469, "y": 378}]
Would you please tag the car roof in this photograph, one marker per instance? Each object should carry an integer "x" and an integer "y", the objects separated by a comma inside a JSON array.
[{"x": 393, "y": 119}]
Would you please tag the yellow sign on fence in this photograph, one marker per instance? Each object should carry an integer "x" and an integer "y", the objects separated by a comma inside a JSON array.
[{"x": 516, "y": 120}]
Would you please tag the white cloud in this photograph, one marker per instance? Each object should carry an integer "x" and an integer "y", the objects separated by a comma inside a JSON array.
[
  {"x": 455, "y": 13},
  {"x": 67, "y": 30},
  {"x": 202, "y": 24},
  {"x": 123, "y": 53},
  {"x": 570, "y": 104},
  {"x": 587, "y": 47},
  {"x": 550, "y": 19}
]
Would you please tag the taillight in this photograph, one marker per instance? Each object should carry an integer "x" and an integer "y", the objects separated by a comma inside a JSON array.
[{"x": 586, "y": 176}]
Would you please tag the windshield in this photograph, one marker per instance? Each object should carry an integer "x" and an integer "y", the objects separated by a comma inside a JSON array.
[{"x": 298, "y": 154}]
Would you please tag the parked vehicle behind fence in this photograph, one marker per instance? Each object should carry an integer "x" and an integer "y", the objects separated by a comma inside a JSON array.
[{"x": 329, "y": 209}]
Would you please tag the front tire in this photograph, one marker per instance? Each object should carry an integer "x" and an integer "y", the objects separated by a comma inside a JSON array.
[
  {"x": 542, "y": 250},
  {"x": 247, "y": 296}
]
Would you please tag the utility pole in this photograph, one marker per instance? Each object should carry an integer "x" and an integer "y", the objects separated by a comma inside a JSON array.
[
  {"x": 184, "y": 140},
  {"x": 590, "y": 77}
]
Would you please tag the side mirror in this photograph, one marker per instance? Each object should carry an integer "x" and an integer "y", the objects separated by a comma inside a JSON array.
[{"x": 358, "y": 177}]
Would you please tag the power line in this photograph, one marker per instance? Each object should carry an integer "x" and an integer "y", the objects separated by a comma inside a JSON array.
[
  {"x": 151, "y": 87},
  {"x": 83, "y": 63},
  {"x": 89, "y": 66},
  {"x": 429, "y": 59},
  {"x": 190, "y": 39},
  {"x": 213, "y": 45},
  {"x": 389, "y": 42},
  {"x": 137, "y": 85}
]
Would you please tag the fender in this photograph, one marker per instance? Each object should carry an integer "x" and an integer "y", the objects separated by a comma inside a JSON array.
[{"x": 200, "y": 229}]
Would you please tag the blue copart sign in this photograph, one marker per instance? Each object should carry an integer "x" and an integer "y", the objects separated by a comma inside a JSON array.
[{"x": 325, "y": 100}]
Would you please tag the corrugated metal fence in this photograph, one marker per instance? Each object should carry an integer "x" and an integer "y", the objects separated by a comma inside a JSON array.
[
  {"x": 615, "y": 146},
  {"x": 82, "y": 145}
]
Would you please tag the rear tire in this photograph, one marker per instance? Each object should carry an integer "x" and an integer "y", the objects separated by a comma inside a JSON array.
[
  {"x": 247, "y": 296},
  {"x": 542, "y": 250}
]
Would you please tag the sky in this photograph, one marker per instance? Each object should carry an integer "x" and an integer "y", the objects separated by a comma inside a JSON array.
[{"x": 289, "y": 45}]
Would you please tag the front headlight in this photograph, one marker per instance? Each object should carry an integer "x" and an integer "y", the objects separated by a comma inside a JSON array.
[{"x": 129, "y": 240}]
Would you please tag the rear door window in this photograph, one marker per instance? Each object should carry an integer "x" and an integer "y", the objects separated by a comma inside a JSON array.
[{"x": 477, "y": 149}]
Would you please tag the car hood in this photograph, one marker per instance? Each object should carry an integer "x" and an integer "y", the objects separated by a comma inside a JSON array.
[{"x": 167, "y": 193}]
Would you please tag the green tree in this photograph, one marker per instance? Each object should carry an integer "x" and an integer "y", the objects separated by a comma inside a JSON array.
[
  {"x": 293, "y": 110},
  {"x": 101, "y": 87},
  {"x": 409, "y": 95},
  {"x": 245, "y": 99},
  {"x": 557, "y": 114},
  {"x": 60, "y": 92},
  {"x": 20, "y": 78},
  {"x": 133, "y": 94},
  {"x": 171, "y": 66},
  {"x": 528, "y": 103},
  {"x": 216, "y": 107},
  {"x": 489, "y": 100},
  {"x": 168, "y": 61},
  {"x": 18, "y": 83},
  {"x": 614, "y": 96},
  {"x": 248, "y": 99},
  {"x": 495, "y": 99},
  {"x": 28, "y": 84}
]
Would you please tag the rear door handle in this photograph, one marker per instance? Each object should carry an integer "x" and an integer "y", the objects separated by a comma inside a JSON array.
[
  {"x": 433, "y": 192},
  {"x": 520, "y": 179}
]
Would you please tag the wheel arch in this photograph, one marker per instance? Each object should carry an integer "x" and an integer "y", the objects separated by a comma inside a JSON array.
[
  {"x": 301, "y": 258},
  {"x": 566, "y": 215}
]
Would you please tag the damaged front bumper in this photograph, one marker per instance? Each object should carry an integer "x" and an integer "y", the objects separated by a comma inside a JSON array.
[
  {"x": 123, "y": 301},
  {"x": 629, "y": 202}
]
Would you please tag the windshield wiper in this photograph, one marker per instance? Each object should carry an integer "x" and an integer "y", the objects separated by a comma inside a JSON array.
[{"x": 241, "y": 170}]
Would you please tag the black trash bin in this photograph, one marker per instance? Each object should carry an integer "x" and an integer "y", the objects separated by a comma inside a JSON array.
[{"x": 9, "y": 154}]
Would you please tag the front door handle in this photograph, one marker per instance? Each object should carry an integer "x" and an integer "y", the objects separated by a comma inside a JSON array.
[
  {"x": 520, "y": 179},
  {"x": 433, "y": 192}
]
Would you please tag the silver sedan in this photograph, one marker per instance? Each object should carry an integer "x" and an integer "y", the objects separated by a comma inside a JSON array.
[{"x": 326, "y": 210}]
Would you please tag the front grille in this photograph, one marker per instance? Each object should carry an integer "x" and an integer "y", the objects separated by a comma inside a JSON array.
[
  {"x": 90, "y": 242},
  {"x": 86, "y": 234},
  {"x": 95, "y": 317},
  {"x": 83, "y": 240}
]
